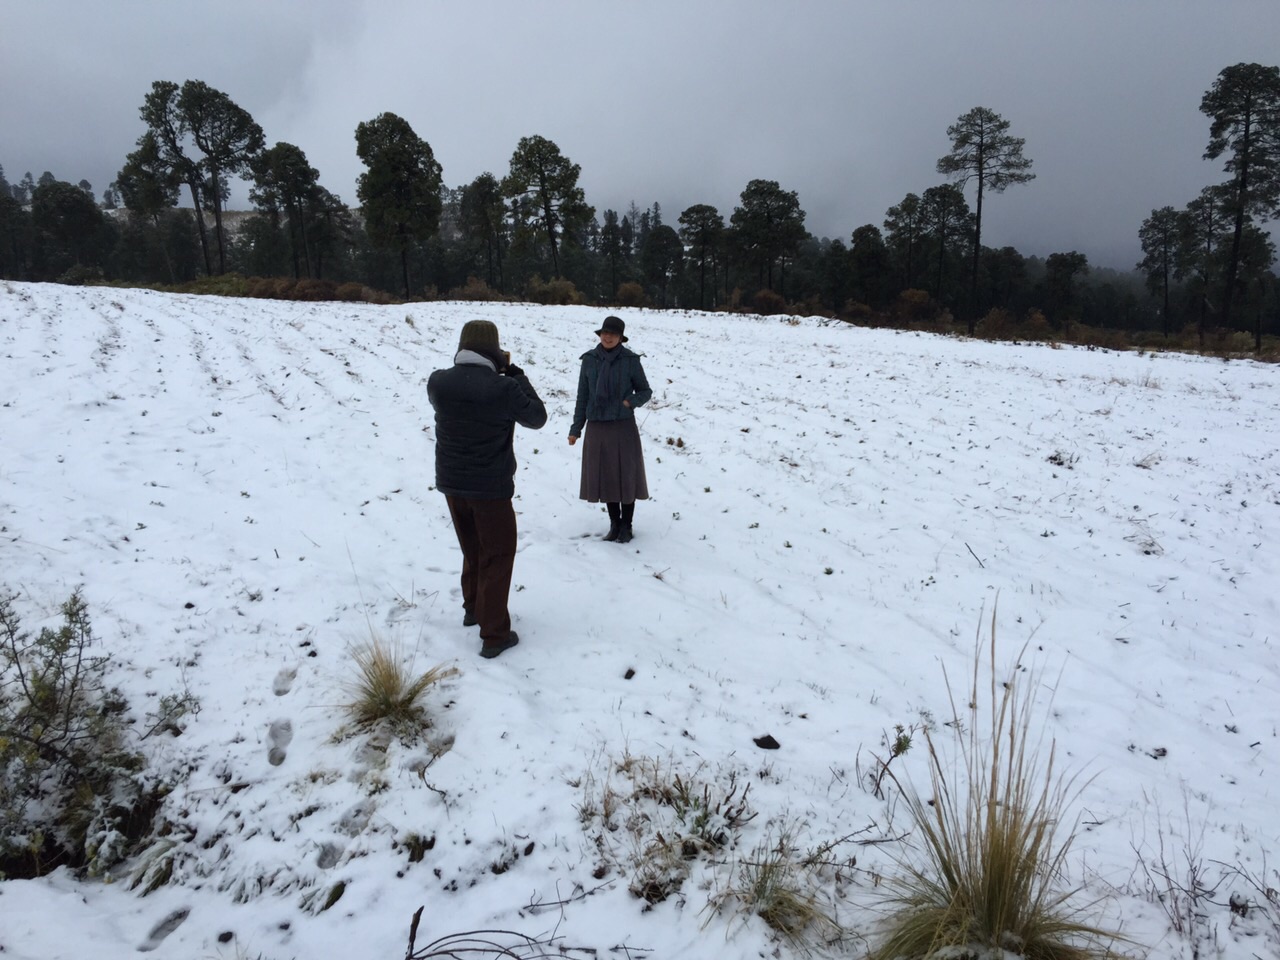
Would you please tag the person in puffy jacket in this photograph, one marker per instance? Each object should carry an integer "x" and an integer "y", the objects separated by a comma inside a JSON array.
[
  {"x": 478, "y": 401},
  {"x": 611, "y": 385}
]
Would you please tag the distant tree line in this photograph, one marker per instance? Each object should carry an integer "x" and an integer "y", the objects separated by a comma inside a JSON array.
[{"x": 531, "y": 233}]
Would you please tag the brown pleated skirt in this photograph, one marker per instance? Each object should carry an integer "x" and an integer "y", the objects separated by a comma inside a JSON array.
[{"x": 612, "y": 462}]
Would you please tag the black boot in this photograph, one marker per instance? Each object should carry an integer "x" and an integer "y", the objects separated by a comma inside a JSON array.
[
  {"x": 490, "y": 650},
  {"x": 615, "y": 520},
  {"x": 627, "y": 511}
]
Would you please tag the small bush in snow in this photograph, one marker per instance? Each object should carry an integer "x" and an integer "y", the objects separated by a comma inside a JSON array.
[
  {"x": 385, "y": 693},
  {"x": 666, "y": 818},
  {"x": 71, "y": 791}
]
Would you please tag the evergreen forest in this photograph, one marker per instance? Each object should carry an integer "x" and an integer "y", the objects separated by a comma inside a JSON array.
[{"x": 527, "y": 231}]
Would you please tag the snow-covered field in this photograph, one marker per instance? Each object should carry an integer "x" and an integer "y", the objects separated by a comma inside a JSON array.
[{"x": 244, "y": 490}]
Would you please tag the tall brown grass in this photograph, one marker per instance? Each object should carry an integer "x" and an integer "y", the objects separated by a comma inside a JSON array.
[
  {"x": 385, "y": 691},
  {"x": 987, "y": 871}
]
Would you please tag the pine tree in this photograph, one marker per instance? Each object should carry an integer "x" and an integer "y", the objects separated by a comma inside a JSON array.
[
  {"x": 1159, "y": 237},
  {"x": 702, "y": 228},
  {"x": 1244, "y": 103},
  {"x": 541, "y": 175},
  {"x": 983, "y": 151},
  {"x": 769, "y": 226},
  {"x": 400, "y": 190}
]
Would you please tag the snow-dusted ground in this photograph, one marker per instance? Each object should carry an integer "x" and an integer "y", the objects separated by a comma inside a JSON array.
[{"x": 244, "y": 490}]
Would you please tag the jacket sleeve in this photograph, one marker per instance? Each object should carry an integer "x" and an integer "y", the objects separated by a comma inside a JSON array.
[
  {"x": 640, "y": 392},
  {"x": 580, "y": 408},
  {"x": 528, "y": 408},
  {"x": 431, "y": 388}
]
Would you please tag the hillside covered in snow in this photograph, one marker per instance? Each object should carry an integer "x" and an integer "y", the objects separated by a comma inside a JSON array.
[{"x": 243, "y": 490}]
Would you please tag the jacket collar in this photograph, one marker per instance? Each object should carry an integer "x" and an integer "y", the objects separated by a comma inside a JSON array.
[{"x": 472, "y": 359}]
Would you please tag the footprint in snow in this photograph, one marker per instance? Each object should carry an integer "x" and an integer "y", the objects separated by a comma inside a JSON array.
[
  {"x": 356, "y": 819},
  {"x": 162, "y": 929},
  {"x": 283, "y": 682},
  {"x": 329, "y": 855},
  {"x": 279, "y": 736}
]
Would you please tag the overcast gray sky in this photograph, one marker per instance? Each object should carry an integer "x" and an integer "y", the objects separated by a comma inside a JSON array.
[{"x": 674, "y": 101}]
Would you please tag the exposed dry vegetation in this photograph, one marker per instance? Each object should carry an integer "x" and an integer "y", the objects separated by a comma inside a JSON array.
[
  {"x": 985, "y": 874},
  {"x": 385, "y": 691},
  {"x": 72, "y": 784}
]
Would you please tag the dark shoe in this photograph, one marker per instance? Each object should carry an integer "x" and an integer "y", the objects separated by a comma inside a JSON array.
[
  {"x": 613, "y": 530},
  {"x": 491, "y": 650},
  {"x": 624, "y": 533},
  {"x": 468, "y": 618}
]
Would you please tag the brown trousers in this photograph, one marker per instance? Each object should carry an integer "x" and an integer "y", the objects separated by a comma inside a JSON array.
[{"x": 486, "y": 532}]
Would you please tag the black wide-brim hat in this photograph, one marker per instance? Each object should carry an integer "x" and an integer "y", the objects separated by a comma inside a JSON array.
[{"x": 613, "y": 325}]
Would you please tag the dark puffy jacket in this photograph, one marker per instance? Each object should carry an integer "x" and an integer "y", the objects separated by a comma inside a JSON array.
[
  {"x": 635, "y": 389},
  {"x": 476, "y": 413}
]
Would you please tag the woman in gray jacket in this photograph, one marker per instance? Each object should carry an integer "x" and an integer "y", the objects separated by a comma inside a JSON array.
[{"x": 611, "y": 384}]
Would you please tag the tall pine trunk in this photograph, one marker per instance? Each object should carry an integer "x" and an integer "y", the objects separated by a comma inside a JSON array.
[
  {"x": 977, "y": 249},
  {"x": 204, "y": 240}
]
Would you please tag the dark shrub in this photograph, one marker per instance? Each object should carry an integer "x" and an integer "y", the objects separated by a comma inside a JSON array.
[
  {"x": 915, "y": 306},
  {"x": 631, "y": 294},
  {"x": 311, "y": 289},
  {"x": 768, "y": 302},
  {"x": 554, "y": 292},
  {"x": 476, "y": 290}
]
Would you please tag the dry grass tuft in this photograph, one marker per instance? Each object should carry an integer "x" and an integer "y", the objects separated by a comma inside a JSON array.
[
  {"x": 652, "y": 821},
  {"x": 385, "y": 692},
  {"x": 986, "y": 876},
  {"x": 775, "y": 883}
]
